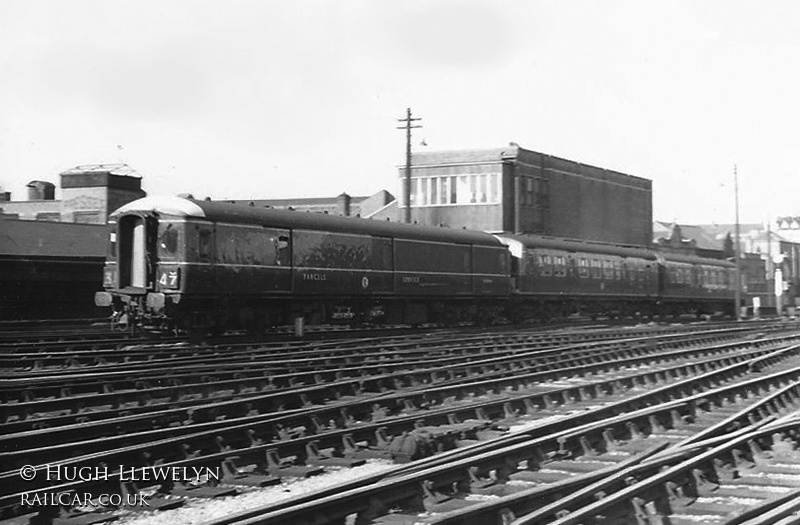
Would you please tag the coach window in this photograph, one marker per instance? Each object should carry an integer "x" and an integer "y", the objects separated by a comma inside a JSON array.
[
  {"x": 204, "y": 245},
  {"x": 560, "y": 267},
  {"x": 597, "y": 272},
  {"x": 282, "y": 250},
  {"x": 617, "y": 270},
  {"x": 545, "y": 268},
  {"x": 583, "y": 268},
  {"x": 608, "y": 271},
  {"x": 168, "y": 243}
]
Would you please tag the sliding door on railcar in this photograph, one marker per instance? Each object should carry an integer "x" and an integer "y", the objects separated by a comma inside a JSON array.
[{"x": 137, "y": 249}]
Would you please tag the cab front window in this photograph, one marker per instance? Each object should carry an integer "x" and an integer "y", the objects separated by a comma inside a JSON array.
[{"x": 168, "y": 241}]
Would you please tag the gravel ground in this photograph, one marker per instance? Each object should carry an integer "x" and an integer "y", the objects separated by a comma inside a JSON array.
[{"x": 200, "y": 511}]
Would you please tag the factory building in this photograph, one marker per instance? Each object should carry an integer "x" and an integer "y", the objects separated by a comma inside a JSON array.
[
  {"x": 88, "y": 195},
  {"x": 513, "y": 189}
]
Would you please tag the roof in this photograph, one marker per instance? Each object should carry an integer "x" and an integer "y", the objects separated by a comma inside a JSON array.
[
  {"x": 462, "y": 156},
  {"x": 693, "y": 259},
  {"x": 517, "y": 242},
  {"x": 276, "y": 218},
  {"x": 539, "y": 241},
  {"x": 112, "y": 169},
  {"x": 703, "y": 239},
  {"x": 514, "y": 153},
  {"x": 311, "y": 201}
]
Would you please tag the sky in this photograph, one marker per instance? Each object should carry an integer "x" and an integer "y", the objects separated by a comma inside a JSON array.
[{"x": 279, "y": 99}]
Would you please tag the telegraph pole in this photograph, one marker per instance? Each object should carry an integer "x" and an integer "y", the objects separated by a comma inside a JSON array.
[
  {"x": 407, "y": 190},
  {"x": 737, "y": 256}
]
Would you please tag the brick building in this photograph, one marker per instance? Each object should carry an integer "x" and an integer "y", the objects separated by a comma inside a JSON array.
[
  {"x": 88, "y": 195},
  {"x": 517, "y": 190}
]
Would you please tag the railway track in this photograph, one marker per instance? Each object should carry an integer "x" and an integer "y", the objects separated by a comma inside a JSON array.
[
  {"x": 537, "y": 475},
  {"x": 406, "y": 403}
]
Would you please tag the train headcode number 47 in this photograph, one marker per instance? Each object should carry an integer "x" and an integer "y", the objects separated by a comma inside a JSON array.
[{"x": 169, "y": 279}]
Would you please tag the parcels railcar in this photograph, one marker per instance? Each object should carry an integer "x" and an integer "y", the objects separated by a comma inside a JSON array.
[{"x": 186, "y": 263}]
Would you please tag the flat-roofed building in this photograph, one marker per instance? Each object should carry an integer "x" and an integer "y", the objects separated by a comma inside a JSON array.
[{"x": 513, "y": 189}]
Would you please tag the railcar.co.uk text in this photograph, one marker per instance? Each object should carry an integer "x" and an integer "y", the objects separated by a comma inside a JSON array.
[{"x": 61, "y": 473}]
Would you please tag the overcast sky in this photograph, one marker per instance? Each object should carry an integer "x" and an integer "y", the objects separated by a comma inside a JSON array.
[{"x": 268, "y": 99}]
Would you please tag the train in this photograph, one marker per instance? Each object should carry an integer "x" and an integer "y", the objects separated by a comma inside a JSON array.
[
  {"x": 185, "y": 264},
  {"x": 50, "y": 270}
]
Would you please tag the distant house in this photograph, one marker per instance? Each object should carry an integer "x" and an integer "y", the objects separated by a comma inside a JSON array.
[{"x": 687, "y": 239}]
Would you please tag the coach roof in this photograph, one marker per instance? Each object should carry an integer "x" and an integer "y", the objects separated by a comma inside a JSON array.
[
  {"x": 269, "y": 217},
  {"x": 516, "y": 242}
]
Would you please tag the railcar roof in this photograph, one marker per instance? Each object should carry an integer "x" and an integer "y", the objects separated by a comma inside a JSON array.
[
  {"x": 693, "y": 259},
  {"x": 237, "y": 213},
  {"x": 573, "y": 245}
]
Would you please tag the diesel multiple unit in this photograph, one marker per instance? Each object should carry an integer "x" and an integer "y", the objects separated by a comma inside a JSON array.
[{"x": 179, "y": 263}]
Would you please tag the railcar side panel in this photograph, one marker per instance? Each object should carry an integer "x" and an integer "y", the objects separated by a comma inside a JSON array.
[
  {"x": 432, "y": 268},
  {"x": 491, "y": 270},
  {"x": 248, "y": 260},
  {"x": 341, "y": 264}
]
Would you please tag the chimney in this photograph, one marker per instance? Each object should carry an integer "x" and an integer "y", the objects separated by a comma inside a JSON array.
[
  {"x": 343, "y": 204},
  {"x": 39, "y": 190}
]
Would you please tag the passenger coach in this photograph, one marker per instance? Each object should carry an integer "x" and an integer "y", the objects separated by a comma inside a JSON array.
[
  {"x": 557, "y": 277},
  {"x": 176, "y": 262}
]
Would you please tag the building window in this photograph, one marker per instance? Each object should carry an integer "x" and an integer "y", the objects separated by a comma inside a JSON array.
[
  {"x": 461, "y": 189},
  {"x": 87, "y": 217},
  {"x": 528, "y": 194},
  {"x": 473, "y": 189}
]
